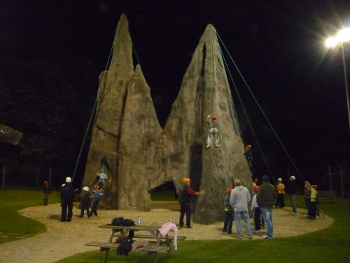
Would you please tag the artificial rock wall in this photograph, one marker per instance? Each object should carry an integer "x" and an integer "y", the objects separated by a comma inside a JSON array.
[{"x": 138, "y": 155}]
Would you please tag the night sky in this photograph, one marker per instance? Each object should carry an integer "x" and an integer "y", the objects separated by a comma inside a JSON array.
[{"x": 278, "y": 47}]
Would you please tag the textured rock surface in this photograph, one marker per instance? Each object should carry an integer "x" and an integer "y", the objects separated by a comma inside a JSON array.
[{"x": 139, "y": 156}]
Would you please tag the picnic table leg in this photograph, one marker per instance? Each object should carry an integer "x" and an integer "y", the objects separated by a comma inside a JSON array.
[
  {"x": 105, "y": 256},
  {"x": 155, "y": 257}
]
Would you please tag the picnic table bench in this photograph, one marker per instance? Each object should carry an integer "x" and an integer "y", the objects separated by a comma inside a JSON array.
[{"x": 106, "y": 246}]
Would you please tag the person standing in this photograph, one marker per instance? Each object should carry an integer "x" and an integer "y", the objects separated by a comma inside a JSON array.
[
  {"x": 67, "y": 194},
  {"x": 256, "y": 211},
  {"x": 306, "y": 196},
  {"x": 185, "y": 195},
  {"x": 312, "y": 211},
  {"x": 265, "y": 198},
  {"x": 292, "y": 190},
  {"x": 47, "y": 191},
  {"x": 240, "y": 197},
  {"x": 85, "y": 203},
  {"x": 95, "y": 200},
  {"x": 280, "y": 193},
  {"x": 228, "y": 213}
]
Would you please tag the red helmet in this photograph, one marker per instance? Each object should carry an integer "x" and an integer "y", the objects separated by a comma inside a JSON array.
[
  {"x": 213, "y": 117},
  {"x": 229, "y": 191},
  {"x": 248, "y": 146},
  {"x": 46, "y": 182},
  {"x": 255, "y": 188},
  {"x": 97, "y": 186}
]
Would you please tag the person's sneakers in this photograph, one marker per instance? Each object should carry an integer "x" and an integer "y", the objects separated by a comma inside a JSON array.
[
  {"x": 266, "y": 237},
  {"x": 240, "y": 237},
  {"x": 250, "y": 237},
  {"x": 188, "y": 227},
  {"x": 217, "y": 146},
  {"x": 293, "y": 214},
  {"x": 229, "y": 232},
  {"x": 207, "y": 146},
  {"x": 79, "y": 217},
  {"x": 256, "y": 231}
]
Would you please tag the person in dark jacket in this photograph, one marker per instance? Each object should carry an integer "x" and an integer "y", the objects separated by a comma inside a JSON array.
[
  {"x": 185, "y": 195},
  {"x": 47, "y": 191},
  {"x": 292, "y": 191},
  {"x": 85, "y": 203},
  {"x": 266, "y": 198},
  {"x": 67, "y": 194}
]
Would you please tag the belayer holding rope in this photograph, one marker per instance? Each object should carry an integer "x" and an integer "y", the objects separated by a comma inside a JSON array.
[{"x": 213, "y": 131}]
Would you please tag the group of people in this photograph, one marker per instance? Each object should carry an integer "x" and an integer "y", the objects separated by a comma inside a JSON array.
[
  {"x": 67, "y": 194},
  {"x": 292, "y": 190}
]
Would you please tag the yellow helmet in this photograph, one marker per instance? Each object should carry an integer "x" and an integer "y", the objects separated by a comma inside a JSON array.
[{"x": 186, "y": 180}]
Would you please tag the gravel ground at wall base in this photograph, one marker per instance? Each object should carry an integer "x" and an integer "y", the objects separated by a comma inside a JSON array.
[{"x": 63, "y": 239}]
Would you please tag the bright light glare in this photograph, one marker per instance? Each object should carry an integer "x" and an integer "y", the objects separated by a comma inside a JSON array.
[
  {"x": 331, "y": 42},
  {"x": 341, "y": 37},
  {"x": 344, "y": 35}
]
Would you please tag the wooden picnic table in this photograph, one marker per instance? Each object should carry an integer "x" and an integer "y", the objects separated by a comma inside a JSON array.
[{"x": 120, "y": 232}]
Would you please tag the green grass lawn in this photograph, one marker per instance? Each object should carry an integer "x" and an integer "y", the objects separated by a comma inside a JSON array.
[{"x": 328, "y": 245}]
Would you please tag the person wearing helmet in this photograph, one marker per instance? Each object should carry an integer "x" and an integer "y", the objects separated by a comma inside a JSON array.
[
  {"x": 102, "y": 178},
  {"x": 67, "y": 194},
  {"x": 280, "y": 193},
  {"x": 258, "y": 220},
  {"x": 95, "y": 200},
  {"x": 184, "y": 196},
  {"x": 249, "y": 156},
  {"x": 85, "y": 202},
  {"x": 292, "y": 191},
  {"x": 213, "y": 131},
  {"x": 312, "y": 212},
  {"x": 228, "y": 213},
  {"x": 47, "y": 191}
]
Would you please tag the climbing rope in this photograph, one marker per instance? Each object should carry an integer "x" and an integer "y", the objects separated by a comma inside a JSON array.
[
  {"x": 261, "y": 112},
  {"x": 219, "y": 111}
]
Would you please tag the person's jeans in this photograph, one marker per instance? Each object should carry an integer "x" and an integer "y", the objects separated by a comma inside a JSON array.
[
  {"x": 245, "y": 216},
  {"x": 228, "y": 221},
  {"x": 185, "y": 209},
  {"x": 267, "y": 215},
  {"x": 294, "y": 204}
]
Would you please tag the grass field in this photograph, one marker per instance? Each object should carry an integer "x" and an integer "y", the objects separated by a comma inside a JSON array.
[{"x": 328, "y": 245}]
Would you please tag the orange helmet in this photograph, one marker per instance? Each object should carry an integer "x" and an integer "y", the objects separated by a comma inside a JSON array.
[
  {"x": 255, "y": 188},
  {"x": 248, "y": 146},
  {"x": 97, "y": 186},
  {"x": 186, "y": 180},
  {"x": 229, "y": 191},
  {"x": 213, "y": 117}
]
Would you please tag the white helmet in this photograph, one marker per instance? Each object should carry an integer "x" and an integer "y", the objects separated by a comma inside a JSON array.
[
  {"x": 85, "y": 188},
  {"x": 68, "y": 179}
]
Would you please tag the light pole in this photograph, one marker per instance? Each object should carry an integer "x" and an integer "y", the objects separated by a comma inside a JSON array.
[{"x": 342, "y": 37}]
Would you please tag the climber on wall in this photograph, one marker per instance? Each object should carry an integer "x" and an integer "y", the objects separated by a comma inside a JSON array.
[
  {"x": 213, "y": 131},
  {"x": 249, "y": 156}
]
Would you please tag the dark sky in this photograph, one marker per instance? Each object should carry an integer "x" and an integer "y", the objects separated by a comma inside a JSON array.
[{"x": 278, "y": 47}]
